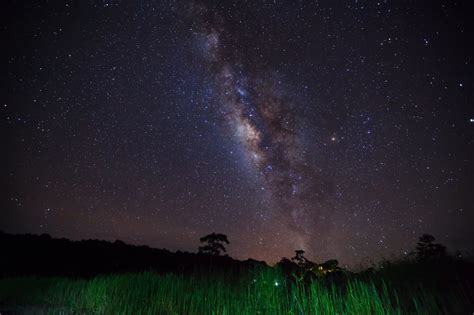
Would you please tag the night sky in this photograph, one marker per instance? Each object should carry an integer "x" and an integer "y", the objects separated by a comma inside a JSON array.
[{"x": 345, "y": 128}]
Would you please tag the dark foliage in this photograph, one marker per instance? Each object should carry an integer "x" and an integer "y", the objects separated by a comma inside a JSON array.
[
  {"x": 428, "y": 250},
  {"x": 214, "y": 245},
  {"x": 287, "y": 266},
  {"x": 299, "y": 258},
  {"x": 28, "y": 254}
]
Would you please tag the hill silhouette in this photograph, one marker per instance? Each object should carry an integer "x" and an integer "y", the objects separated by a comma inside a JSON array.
[{"x": 27, "y": 254}]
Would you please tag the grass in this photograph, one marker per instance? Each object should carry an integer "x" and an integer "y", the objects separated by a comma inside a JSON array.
[{"x": 265, "y": 291}]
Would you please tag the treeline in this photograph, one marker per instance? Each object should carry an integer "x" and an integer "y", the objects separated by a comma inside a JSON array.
[
  {"x": 26, "y": 254},
  {"x": 42, "y": 255}
]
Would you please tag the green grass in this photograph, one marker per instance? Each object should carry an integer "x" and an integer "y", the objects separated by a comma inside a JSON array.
[{"x": 264, "y": 292}]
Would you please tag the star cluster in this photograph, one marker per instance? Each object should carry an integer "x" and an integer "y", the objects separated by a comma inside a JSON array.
[{"x": 341, "y": 127}]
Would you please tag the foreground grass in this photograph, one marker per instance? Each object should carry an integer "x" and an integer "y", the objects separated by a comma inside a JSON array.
[{"x": 264, "y": 292}]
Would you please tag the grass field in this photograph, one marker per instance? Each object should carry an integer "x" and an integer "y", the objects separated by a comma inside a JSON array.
[{"x": 264, "y": 292}]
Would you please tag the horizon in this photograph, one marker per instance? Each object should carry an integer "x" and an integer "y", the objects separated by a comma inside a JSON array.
[{"x": 467, "y": 255}]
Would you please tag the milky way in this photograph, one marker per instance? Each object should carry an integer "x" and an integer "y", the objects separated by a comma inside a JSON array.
[{"x": 258, "y": 113}]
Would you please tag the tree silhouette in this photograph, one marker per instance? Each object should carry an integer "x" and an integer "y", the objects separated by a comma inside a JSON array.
[
  {"x": 287, "y": 266},
  {"x": 302, "y": 261},
  {"x": 214, "y": 245},
  {"x": 299, "y": 258},
  {"x": 426, "y": 249}
]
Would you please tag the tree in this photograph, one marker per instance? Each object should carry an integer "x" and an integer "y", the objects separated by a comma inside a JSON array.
[
  {"x": 287, "y": 266},
  {"x": 426, "y": 249},
  {"x": 302, "y": 261},
  {"x": 214, "y": 245},
  {"x": 299, "y": 258}
]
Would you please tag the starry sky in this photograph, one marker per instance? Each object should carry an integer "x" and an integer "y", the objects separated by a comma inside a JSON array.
[{"x": 345, "y": 128}]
